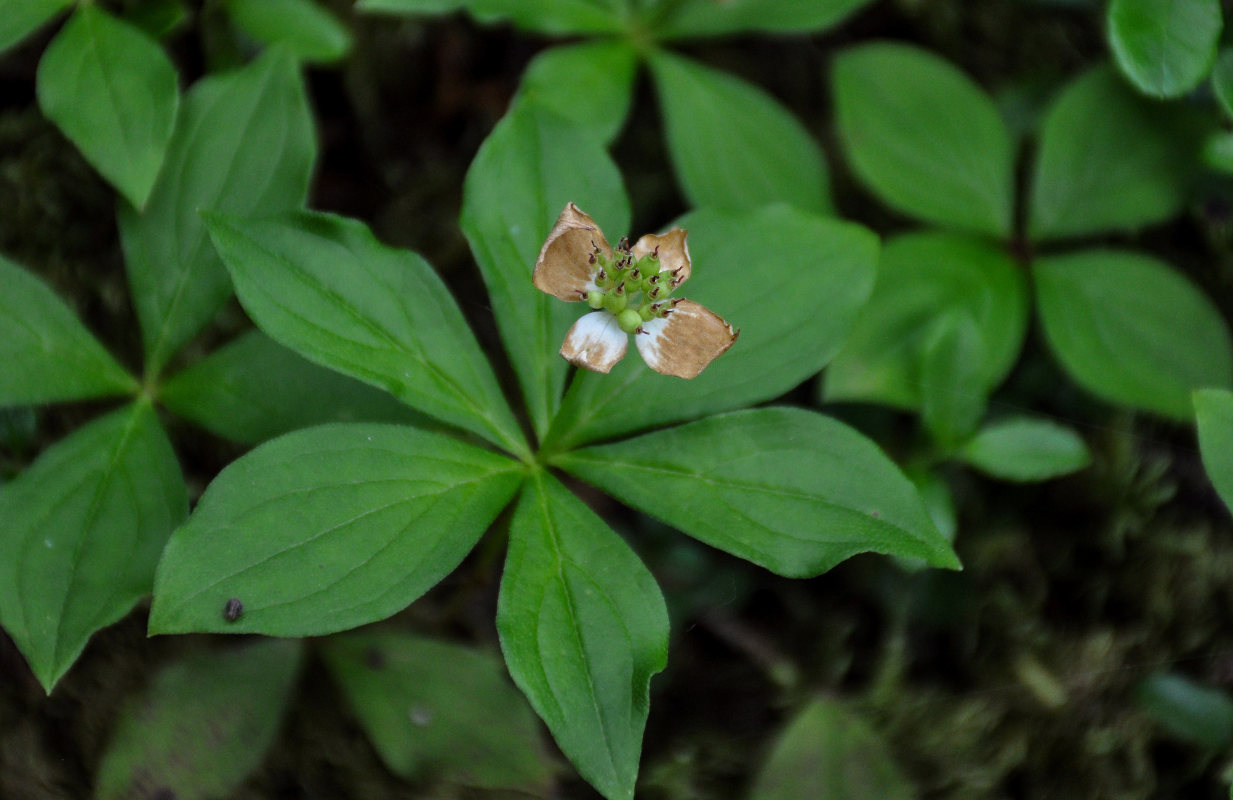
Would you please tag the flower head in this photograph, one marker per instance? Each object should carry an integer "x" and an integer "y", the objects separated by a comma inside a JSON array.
[{"x": 630, "y": 290}]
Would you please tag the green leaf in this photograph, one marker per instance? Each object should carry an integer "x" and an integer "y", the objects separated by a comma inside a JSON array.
[
  {"x": 1132, "y": 330},
  {"x": 1222, "y": 80},
  {"x": 325, "y": 287},
  {"x": 255, "y": 389},
  {"x": 708, "y": 18},
  {"x": 530, "y": 166},
  {"x": 789, "y": 490},
  {"x": 326, "y": 529},
  {"x": 20, "y": 18},
  {"x": 590, "y": 84},
  {"x": 157, "y": 17},
  {"x": 1218, "y": 152},
  {"x": 810, "y": 276},
  {"x": 1026, "y": 449},
  {"x": 556, "y": 17},
  {"x": 409, "y": 7},
  {"x": 243, "y": 144},
  {"x": 439, "y": 710},
  {"x": 732, "y": 145},
  {"x": 48, "y": 355},
  {"x": 925, "y": 138},
  {"x": 114, "y": 94},
  {"x": 1199, "y": 714},
  {"x": 1109, "y": 160},
  {"x": 953, "y": 402},
  {"x": 83, "y": 529},
  {"x": 923, "y": 277},
  {"x": 1164, "y": 47},
  {"x": 829, "y": 752},
  {"x": 1214, "y": 419},
  {"x": 204, "y": 723},
  {"x": 583, "y": 627},
  {"x": 309, "y": 31}
]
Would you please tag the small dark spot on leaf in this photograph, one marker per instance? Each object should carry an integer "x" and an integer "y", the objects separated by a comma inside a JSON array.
[
  {"x": 233, "y": 609},
  {"x": 875, "y": 514},
  {"x": 374, "y": 658}
]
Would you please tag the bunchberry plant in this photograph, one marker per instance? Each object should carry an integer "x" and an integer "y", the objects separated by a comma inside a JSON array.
[
  {"x": 951, "y": 308},
  {"x": 341, "y": 525}
]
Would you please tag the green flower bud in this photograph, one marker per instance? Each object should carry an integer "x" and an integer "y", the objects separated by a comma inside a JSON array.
[
  {"x": 629, "y": 320},
  {"x": 616, "y": 302},
  {"x": 595, "y": 299}
]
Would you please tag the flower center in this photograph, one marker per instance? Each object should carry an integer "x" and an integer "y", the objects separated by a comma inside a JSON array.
[{"x": 635, "y": 290}]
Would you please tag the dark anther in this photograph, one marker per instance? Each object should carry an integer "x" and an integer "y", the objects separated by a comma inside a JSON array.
[
  {"x": 623, "y": 244},
  {"x": 655, "y": 278},
  {"x": 635, "y": 275},
  {"x": 620, "y": 289},
  {"x": 591, "y": 260}
]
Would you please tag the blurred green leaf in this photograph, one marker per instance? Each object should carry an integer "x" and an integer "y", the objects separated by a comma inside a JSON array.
[
  {"x": 692, "y": 18},
  {"x": 114, "y": 94},
  {"x": 203, "y": 725},
  {"x": 583, "y": 628},
  {"x": 810, "y": 276},
  {"x": 1222, "y": 80},
  {"x": 1110, "y": 160},
  {"x": 1188, "y": 710},
  {"x": 1214, "y": 419},
  {"x": 789, "y": 490},
  {"x": 1164, "y": 47},
  {"x": 589, "y": 83},
  {"x": 529, "y": 167},
  {"x": 829, "y": 752},
  {"x": 1218, "y": 152},
  {"x": 953, "y": 399},
  {"x": 20, "y": 18},
  {"x": 922, "y": 277},
  {"x": 254, "y": 389},
  {"x": 558, "y": 17},
  {"x": 309, "y": 31},
  {"x": 48, "y": 355},
  {"x": 328, "y": 528},
  {"x": 243, "y": 144},
  {"x": 325, "y": 287},
  {"x": 156, "y": 17},
  {"x": 924, "y": 137},
  {"x": 83, "y": 529},
  {"x": 439, "y": 710},
  {"x": 732, "y": 145},
  {"x": 1025, "y": 449},
  {"x": 1132, "y": 329}
]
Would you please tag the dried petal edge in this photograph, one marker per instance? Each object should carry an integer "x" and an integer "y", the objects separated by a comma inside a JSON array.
[
  {"x": 673, "y": 251},
  {"x": 563, "y": 269},
  {"x": 684, "y": 342},
  {"x": 595, "y": 342}
]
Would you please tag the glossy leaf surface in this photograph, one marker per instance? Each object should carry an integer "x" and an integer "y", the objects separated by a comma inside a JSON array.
[
  {"x": 583, "y": 628},
  {"x": 83, "y": 529},
  {"x": 243, "y": 144},
  {"x": 1164, "y": 47},
  {"x": 1092, "y": 175},
  {"x": 1222, "y": 80},
  {"x": 325, "y": 287},
  {"x": 529, "y": 167},
  {"x": 1026, "y": 449},
  {"x": 922, "y": 278},
  {"x": 925, "y": 138},
  {"x": 1214, "y": 419},
  {"x": 307, "y": 29},
  {"x": 791, "y": 281},
  {"x": 114, "y": 94},
  {"x": 829, "y": 752},
  {"x": 953, "y": 395},
  {"x": 1132, "y": 330},
  {"x": 48, "y": 355},
  {"x": 543, "y": 16},
  {"x": 436, "y": 710},
  {"x": 789, "y": 490},
  {"x": 254, "y": 389},
  {"x": 732, "y": 145},
  {"x": 203, "y": 724},
  {"x": 1189, "y": 710},
  {"x": 326, "y": 529}
]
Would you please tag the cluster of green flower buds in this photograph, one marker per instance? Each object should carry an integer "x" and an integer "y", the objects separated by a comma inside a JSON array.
[{"x": 633, "y": 289}]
